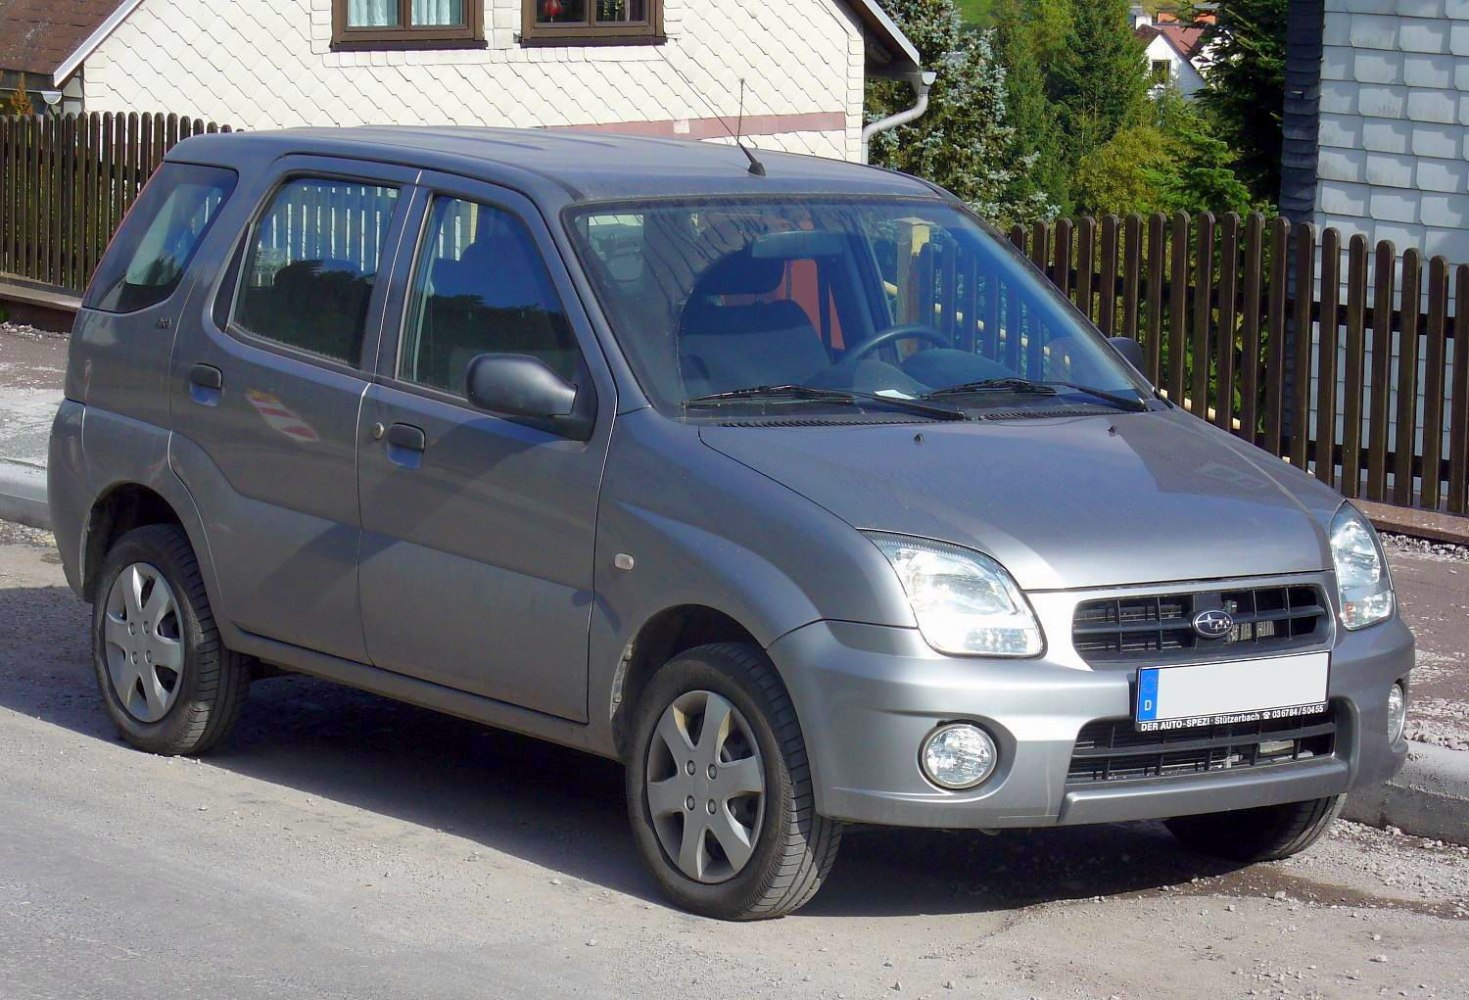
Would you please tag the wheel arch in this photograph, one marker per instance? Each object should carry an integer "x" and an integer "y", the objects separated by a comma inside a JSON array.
[
  {"x": 663, "y": 636},
  {"x": 121, "y": 508}
]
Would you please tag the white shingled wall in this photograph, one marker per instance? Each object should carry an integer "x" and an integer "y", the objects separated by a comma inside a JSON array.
[
  {"x": 1394, "y": 160},
  {"x": 268, "y": 63}
]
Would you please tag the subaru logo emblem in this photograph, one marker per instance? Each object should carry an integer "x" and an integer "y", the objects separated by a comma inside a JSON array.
[{"x": 1214, "y": 624}]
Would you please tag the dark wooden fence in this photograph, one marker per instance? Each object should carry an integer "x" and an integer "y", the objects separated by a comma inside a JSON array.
[
  {"x": 1349, "y": 361},
  {"x": 1346, "y": 360},
  {"x": 66, "y": 182}
]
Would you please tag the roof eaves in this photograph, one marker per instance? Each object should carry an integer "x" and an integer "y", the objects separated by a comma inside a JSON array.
[
  {"x": 73, "y": 62},
  {"x": 885, "y": 31}
]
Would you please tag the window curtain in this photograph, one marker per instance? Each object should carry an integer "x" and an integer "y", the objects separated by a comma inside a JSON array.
[
  {"x": 384, "y": 13},
  {"x": 438, "y": 12},
  {"x": 372, "y": 13}
]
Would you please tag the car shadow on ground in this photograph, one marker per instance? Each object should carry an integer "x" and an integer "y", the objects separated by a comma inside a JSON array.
[{"x": 559, "y": 808}]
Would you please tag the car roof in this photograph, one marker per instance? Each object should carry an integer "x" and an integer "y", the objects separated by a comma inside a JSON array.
[{"x": 585, "y": 166}]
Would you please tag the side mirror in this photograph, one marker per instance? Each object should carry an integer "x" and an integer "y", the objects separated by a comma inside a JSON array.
[
  {"x": 1131, "y": 351},
  {"x": 514, "y": 385}
]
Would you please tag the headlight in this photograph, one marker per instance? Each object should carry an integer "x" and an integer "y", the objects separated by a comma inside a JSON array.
[
  {"x": 965, "y": 602},
  {"x": 1362, "y": 580}
]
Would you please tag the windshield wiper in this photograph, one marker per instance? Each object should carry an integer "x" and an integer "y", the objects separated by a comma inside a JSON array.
[
  {"x": 1014, "y": 384},
  {"x": 811, "y": 394}
]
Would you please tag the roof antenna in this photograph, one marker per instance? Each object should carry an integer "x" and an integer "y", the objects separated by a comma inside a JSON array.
[{"x": 756, "y": 167}]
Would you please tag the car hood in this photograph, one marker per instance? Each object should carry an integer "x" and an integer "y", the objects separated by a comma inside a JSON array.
[{"x": 1094, "y": 501}]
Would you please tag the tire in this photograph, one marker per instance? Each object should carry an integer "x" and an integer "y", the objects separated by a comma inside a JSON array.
[
  {"x": 169, "y": 684},
  {"x": 790, "y": 849},
  {"x": 1268, "y": 833}
]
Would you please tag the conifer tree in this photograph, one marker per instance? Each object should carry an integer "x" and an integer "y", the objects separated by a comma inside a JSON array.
[
  {"x": 964, "y": 142},
  {"x": 1245, "y": 94}
]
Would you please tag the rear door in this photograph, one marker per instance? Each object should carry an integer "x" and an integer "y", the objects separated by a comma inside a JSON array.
[
  {"x": 271, "y": 389},
  {"x": 479, "y": 530}
]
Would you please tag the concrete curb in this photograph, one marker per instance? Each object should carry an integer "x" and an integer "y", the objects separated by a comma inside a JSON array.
[
  {"x": 1429, "y": 797},
  {"x": 23, "y": 495}
]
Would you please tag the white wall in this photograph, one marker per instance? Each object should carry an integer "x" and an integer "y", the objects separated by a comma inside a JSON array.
[
  {"x": 1394, "y": 109},
  {"x": 1181, "y": 71},
  {"x": 268, "y": 63}
]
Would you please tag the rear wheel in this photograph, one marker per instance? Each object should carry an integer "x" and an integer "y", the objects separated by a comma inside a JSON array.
[
  {"x": 1267, "y": 833},
  {"x": 168, "y": 683},
  {"x": 719, "y": 788}
]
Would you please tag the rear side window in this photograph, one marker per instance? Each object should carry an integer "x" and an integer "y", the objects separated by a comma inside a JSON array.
[
  {"x": 153, "y": 248},
  {"x": 311, "y": 263}
]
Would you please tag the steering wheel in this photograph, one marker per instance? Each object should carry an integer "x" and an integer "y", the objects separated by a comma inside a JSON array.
[{"x": 893, "y": 334}]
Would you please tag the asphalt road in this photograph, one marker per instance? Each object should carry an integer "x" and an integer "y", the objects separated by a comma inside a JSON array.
[{"x": 345, "y": 846}]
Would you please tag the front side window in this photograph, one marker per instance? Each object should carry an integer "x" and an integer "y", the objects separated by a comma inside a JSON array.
[
  {"x": 153, "y": 248},
  {"x": 583, "y": 22},
  {"x": 369, "y": 24},
  {"x": 309, "y": 268},
  {"x": 480, "y": 287},
  {"x": 906, "y": 299}
]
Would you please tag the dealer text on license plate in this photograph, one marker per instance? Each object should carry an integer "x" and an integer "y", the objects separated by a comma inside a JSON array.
[{"x": 1203, "y": 694}]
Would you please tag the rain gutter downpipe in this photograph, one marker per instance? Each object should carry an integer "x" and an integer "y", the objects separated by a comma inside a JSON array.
[{"x": 921, "y": 80}]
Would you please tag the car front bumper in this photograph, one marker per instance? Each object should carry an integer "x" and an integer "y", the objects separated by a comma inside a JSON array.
[{"x": 868, "y": 695}]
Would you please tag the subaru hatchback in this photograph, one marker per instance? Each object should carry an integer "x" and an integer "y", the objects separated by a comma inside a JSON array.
[{"x": 801, "y": 493}]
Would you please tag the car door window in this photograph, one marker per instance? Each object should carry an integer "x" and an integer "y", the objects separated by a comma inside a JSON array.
[
  {"x": 480, "y": 286},
  {"x": 310, "y": 265},
  {"x": 156, "y": 243}
]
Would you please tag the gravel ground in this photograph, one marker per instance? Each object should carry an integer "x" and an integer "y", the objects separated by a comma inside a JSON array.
[{"x": 1437, "y": 551}]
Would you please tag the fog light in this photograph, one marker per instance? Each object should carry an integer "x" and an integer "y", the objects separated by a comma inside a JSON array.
[
  {"x": 1397, "y": 713},
  {"x": 958, "y": 756}
]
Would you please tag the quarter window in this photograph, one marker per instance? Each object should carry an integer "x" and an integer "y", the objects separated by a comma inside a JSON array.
[
  {"x": 154, "y": 246},
  {"x": 592, "y": 22},
  {"x": 400, "y": 24},
  {"x": 480, "y": 287},
  {"x": 311, "y": 263}
]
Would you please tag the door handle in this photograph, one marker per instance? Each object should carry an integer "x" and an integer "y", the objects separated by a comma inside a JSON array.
[
  {"x": 206, "y": 377},
  {"x": 407, "y": 437},
  {"x": 206, "y": 384}
]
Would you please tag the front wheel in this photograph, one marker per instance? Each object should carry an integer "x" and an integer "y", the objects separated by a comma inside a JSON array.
[
  {"x": 719, "y": 788},
  {"x": 1267, "y": 833}
]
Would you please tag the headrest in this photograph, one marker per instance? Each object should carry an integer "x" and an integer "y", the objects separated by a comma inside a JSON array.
[{"x": 741, "y": 274}]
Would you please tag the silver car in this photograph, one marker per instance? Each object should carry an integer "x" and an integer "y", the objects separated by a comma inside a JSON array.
[{"x": 799, "y": 492}]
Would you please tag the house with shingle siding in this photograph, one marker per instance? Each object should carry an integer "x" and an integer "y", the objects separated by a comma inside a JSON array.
[
  {"x": 690, "y": 68},
  {"x": 1377, "y": 121}
]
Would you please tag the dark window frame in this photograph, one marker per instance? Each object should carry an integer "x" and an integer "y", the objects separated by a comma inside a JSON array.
[
  {"x": 589, "y": 32},
  {"x": 404, "y": 35}
]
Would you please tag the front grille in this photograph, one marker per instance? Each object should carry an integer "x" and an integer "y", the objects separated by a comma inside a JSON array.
[
  {"x": 1266, "y": 620},
  {"x": 1113, "y": 750}
]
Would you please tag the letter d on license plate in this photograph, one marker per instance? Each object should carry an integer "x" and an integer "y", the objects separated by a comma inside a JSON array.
[{"x": 1203, "y": 694}]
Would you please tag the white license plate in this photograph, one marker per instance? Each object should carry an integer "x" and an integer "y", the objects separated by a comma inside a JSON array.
[{"x": 1203, "y": 694}]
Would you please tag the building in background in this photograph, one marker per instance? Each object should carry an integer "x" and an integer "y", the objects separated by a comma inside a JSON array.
[
  {"x": 1177, "y": 52},
  {"x": 684, "y": 68},
  {"x": 1377, "y": 121}
]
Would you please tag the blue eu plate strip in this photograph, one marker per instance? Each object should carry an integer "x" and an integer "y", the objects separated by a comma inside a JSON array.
[{"x": 1147, "y": 695}]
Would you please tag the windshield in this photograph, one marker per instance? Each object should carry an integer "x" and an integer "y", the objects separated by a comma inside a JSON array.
[{"x": 878, "y": 299}]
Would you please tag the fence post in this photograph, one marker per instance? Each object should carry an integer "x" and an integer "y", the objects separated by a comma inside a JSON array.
[{"x": 1412, "y": 299}]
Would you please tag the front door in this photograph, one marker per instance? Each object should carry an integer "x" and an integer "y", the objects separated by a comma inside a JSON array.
[
  {"x": 270, "y": 393},
  {"x": 478, "y": 531}
]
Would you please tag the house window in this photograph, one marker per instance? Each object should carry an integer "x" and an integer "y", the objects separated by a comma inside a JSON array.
[
  {"x": 1162, "y": 71},
  {"x": 407, "y": 24},
  {"x": 592, "y": 22}
]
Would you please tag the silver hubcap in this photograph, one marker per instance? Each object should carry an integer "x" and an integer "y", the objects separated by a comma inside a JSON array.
[
  {"x": 706, "y": 786},
  {"x": 142, "y": 640}
]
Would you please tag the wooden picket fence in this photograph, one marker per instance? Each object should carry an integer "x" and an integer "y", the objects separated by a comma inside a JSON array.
[
  {"x": 66, "y": 182},
  {"x": 1349, "y": 361},
  {"x": 1361, "y": 377}
]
